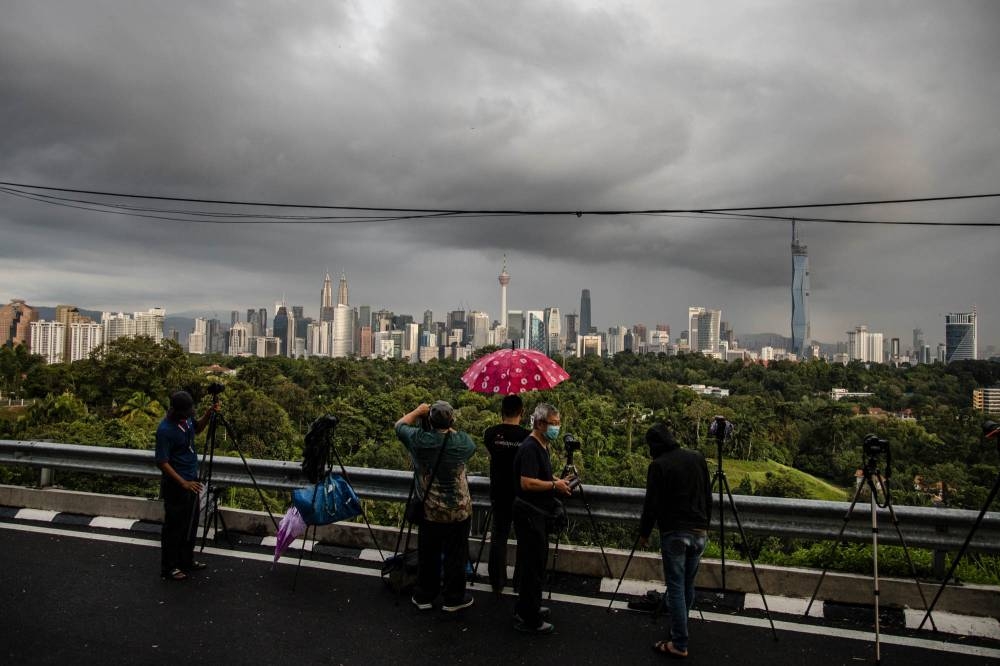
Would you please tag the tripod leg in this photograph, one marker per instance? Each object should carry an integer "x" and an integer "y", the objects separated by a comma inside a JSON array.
[
  {"x": 246, "y": 465},
  {"x": 624, "y": 571},
  {"x": 961, "y": 551},
  {"x": 720, "y": 478},
  {"x": 482, "y": 545},
  {"x": 833, "y": 545},
  {"x": 878, "y": 640},
  {"x": 753, "y": 565},
  {"x": 207, "y": 471},
  {"x": 552, "y": 571},
  {"x": 597, "y": 535},
  {"x": 909, "y": 560}
]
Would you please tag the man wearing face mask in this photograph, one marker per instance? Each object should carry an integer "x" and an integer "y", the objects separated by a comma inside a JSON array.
[{"x": 535, "y": 500}]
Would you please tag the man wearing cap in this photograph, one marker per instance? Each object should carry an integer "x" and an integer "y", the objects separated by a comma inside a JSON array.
[
  {"x": 679, "y": 502},
  {"x": 502, "y": 441},
  {"x": 179, "y": 486},
  {"x": 440, "y": 452}
]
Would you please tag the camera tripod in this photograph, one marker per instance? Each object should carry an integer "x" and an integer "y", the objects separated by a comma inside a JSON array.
[
  {"x": 873, "y": 479},
  {"x": 324, "y": 426},
  {"x": 990, "y": 431},
  {"x": 213, "y": 516},
  {"x": 722, "y": 429},
  {"x": 571, "y": 474}
]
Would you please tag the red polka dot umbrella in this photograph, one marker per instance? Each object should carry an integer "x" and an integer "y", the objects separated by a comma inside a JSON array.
[{"x": 513, "y": 371}]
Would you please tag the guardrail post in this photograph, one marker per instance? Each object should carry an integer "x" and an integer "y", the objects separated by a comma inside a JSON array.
[{"x": 45, "y": 477}]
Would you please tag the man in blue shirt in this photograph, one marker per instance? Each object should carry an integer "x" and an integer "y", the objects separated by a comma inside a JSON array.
[{"x": 179, "y": 485}]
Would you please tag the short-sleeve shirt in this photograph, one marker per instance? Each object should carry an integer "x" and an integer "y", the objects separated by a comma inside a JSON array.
[
  {"x": 175, "y": 445},
  {"x": 532, "y": 460},
  {"x": 502, "y": 441},
  {"x": 448, "y": 498}
]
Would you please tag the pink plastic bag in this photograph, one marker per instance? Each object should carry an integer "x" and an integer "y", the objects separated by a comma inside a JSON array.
[{"x": 291, "y": 528}]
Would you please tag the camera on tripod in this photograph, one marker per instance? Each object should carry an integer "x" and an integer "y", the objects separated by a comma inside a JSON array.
[
  {"x": 214, "y": 389},
  {"x": 572, "y": 445},
  {"x": 874, "y": 446},
  {"x": 720, "y": 428}
]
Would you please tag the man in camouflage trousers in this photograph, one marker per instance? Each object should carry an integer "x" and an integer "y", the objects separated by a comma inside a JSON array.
[{"x": 444, "y": 529}]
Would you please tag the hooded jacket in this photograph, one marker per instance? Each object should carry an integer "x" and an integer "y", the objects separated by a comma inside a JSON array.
[{"x": 678, "y": 490}]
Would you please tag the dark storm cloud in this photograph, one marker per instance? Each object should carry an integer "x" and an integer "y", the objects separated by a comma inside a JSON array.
[{"x": 555, "y": 105}]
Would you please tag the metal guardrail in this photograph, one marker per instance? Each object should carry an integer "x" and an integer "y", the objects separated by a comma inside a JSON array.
[{"x": 923, "y": 527}]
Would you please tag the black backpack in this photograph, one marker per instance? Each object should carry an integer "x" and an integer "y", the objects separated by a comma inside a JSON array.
[{"x": 316, "y": 451}]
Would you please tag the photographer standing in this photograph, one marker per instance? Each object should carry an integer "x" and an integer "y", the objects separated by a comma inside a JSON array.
[
  {"x": 679, "y": 502},
  {"x": 502, "y": 442},
  {"x": 534, "y": 505},
  {"x": 440, "y": 452},
  {"x": 179, "y": 486}
]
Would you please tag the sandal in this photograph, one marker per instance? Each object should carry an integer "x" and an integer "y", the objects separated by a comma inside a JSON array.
[
  {"x": 667, "y": 648},
  {"x": 175, "y": 574}
]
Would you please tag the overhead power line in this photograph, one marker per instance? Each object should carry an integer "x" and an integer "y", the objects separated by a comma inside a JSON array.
[{"x": 103, "y": 201}]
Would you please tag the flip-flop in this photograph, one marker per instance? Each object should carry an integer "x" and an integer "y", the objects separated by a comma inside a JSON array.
[
  {"x": 667, "y": 648},
  {"x": 176, "y": 574}
]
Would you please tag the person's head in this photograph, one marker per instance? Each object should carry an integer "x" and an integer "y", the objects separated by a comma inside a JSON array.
[
  {"x": 512, "y": 406},
  {"x": 181, "y": 406},
  {"x": 441, "y": 416},
  {"x": 660, "y": 439},
  {"x": 545, "y": 421}
]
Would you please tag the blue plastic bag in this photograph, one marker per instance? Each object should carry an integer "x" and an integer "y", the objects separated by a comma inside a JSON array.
[{"x": 330, "y": 500}]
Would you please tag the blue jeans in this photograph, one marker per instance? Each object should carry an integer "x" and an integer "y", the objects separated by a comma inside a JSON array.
[{"x": 681, "y": 555}]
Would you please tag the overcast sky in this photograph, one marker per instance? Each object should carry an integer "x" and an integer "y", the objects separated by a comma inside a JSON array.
[{"x": 510, "y": 105}]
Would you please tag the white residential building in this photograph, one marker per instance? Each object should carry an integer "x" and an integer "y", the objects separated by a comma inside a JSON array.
[
  {"x": 84, "y": 338},
  {"x": 48, "y": 339}
]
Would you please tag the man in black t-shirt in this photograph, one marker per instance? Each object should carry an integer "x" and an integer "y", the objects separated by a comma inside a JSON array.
[
  {"x": 502, "y": 442},
  {"x": 536, "y": 491}
]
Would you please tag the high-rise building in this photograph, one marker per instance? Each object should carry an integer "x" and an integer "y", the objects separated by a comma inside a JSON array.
[
  {"x": 326, "y": 299},
  {"x": 234, "y": 318},
  {"x": 553, "y": 331},
  {"x": 69, "y": 315},
  {"x": 116, "y": 325},
  {"x": 534, "y": 330},
  {"x": 590, "y": 345},
  {"x": 15, "y": 322},
  {"x": 504, "y": 279},
  {"x": 365, "y": 350},
  {"x": 411, "y": 341},
  {"x": 479, "y": 329},
  {"x": 198, "y": 340},
  {"x": 572, "y": 328},
  {"x": 616, "y": 339},
  {"x": 986, "y": 399},
  {"x": 708, "y": 324},
  {"x": 343, "y": 331},
  {"x": 456, "y": 321},
  {"x": 918, "y": 344},
  {"x": 585, "y": 322},
  {"x": 515, "y": 326},
  {"x": 894, "y": 349},
  {"x": 47, "y": 339},
  {"x": 84, "y": 338},
  {"x": 866, "y": 346},
  {"x": 693, "y": 313},
  {"x": 382, "y": 322},
  {"x": 960, "y": 336},
  {"x": 800, "y": 296},
  {"x": 284, "y": 330},
  {"x": 342, "y": 290},
  {"x": 240, "y": 336}
]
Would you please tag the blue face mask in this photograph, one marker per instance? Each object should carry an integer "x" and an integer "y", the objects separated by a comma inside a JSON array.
[{"x": 552, "y": 432}]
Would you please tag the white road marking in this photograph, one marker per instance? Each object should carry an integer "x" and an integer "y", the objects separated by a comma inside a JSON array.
[
  {"x": 112, "y": 523},
  {"x": 36, "y": 514},
  {"x": 952, "y": 623}
]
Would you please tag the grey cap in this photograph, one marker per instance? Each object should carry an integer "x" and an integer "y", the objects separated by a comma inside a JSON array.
[{"x": 442, "y": 415}]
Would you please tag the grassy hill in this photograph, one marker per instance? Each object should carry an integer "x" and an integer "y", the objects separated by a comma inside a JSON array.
[{"x": 756, "y": 470}]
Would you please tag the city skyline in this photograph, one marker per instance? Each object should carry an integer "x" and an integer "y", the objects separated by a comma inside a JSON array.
[{"x": 569, "y": 106}]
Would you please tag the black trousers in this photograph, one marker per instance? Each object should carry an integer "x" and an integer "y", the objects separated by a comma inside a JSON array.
[
  {"x": 503, "y": 516},
  {"x": 437, "y": 540},
  {"x": 532, "y": 556},
  {"x": 180, "y": 525}
]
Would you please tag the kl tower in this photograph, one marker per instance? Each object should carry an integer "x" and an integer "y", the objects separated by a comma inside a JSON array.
[{"x": 504, "y": 279}]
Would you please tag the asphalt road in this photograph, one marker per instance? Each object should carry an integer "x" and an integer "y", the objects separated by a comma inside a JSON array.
[{"x": 75, "y": 600}]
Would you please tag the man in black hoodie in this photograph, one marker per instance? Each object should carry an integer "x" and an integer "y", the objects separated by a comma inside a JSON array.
[{"x": 679, "y": 502}]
